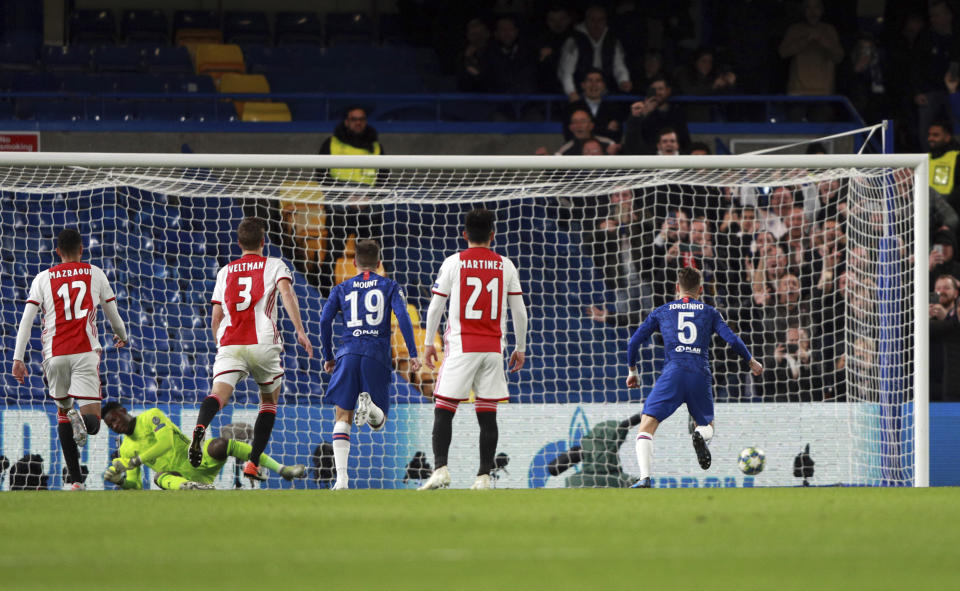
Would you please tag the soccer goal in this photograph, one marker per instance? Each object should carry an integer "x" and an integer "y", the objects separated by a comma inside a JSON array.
[{"x": 818, "y": 262}]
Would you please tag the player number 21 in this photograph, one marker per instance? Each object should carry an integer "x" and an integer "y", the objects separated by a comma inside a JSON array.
[
  {"x": 493, "y": 286},
  {"x": 64, "y": 293},
  {"x": 686, "y": 330}
]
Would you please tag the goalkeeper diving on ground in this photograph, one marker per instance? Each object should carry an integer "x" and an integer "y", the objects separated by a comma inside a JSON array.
[
  {"x": 686, "y": 325},
  {"x": 151, "y": 439}
]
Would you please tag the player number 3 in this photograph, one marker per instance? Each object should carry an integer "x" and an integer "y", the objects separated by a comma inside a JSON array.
[{"x": 686, "y": 330}]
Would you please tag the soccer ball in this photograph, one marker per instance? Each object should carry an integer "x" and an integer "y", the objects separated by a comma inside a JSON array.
[{"x": 752, "y": 460}]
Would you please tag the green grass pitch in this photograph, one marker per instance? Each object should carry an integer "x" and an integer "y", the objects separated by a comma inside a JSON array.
[{"x": 518, "y": 539}]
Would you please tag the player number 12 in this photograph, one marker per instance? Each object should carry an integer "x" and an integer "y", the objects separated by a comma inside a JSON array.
[{"x": 64, "y": 293}]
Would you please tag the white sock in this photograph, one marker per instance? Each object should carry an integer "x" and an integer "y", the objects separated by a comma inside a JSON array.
[
  {"x": 706, "y": 431},
  {"x": 645, "y": 453},
  {"x": 375, "y": 419},
  {"x": 341, "y": 449}
]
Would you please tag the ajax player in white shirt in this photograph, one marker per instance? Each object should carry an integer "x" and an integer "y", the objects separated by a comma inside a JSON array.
[
  {"x": 248, "y": 341},
  {"x": 67, "y": 296},
  {"x": 477, "y": 283}
]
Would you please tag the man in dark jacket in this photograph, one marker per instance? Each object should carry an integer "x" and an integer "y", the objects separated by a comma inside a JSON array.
[
  {"x": 945, "y": 341},
  {"x": 649, "y": 116}
]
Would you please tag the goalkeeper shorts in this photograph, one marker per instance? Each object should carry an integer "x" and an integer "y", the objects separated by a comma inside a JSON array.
[
  {"x": 235, "y": 362},
  {"x": 481, "y": 372},
  {"x": 72, "y": 377}
]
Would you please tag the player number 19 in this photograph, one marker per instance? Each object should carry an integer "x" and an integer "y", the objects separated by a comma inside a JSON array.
[
  {"x": 686, "y": 330},
  {"x": 374, "y": 304}
]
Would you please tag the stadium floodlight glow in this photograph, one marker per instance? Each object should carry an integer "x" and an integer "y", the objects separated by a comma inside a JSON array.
[{"x": 848, "y": 360}]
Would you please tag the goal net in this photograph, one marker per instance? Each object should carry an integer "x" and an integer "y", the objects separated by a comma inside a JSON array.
[{"x": 810, "y": 259}]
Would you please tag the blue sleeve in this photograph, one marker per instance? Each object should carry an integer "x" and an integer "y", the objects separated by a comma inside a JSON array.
[
  {"x": 720, "y": 327},
  {"x": 330, "y": 310},
  {"x": 640, "y": 336},
  {"x": 954, "y": 98},
  {"x": 403, "y": 319}
]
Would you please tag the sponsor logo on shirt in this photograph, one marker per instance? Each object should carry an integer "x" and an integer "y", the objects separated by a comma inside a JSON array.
[
  {"x": 159, "y": 425},
  {"x": 360, "y": 332},
  {"x": 686, "y": 349}
]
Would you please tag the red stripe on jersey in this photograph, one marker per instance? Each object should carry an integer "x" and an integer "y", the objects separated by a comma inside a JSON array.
[
  {"x": 111, "y": 299},
  {"x": 70, "y": 284},
  {"x": 33, "y": 302},
  {"x": 481, "y": 293},
  {"x": 244, "y": 288},
  {"x": 441, "y": 294},
  {"x": 268, "y": 309}
]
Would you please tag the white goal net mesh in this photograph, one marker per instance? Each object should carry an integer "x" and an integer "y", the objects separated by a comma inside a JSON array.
[{"x": 811, "y": 267}]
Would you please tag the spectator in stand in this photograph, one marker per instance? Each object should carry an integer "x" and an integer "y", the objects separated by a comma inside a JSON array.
[
  {"x": 662, "y": 256},
  {"x": 699, "y": 149},
  {"x": 470, "y": 64},
  {"x": 781, "y": 204},
  {"x": 746, "y": 32},
  {"x": 789, "y": 375},
  {"x": 820, "y": 200},
  {"x": 942, "y": 256},
  {"x": 935, "y": 49},
  {"x": 667, "y": 143},
  {"x": 703, "y": 78},
  {"x": 814, "y": 50},
  {"x": 593, "y": 46},
  {"x": 592, "y": 147},
  {"x": 606, "y": 115},
  {"x": 581, "y": 129},
  {"x": 352, "y": 137},
  {"x": 550, "y": 46},
  {"x": 649, "y": 116},
  {"x": 901, "y": 50},
  {"x": 943, "y": 163},
  {"x": 507, "y": 66},
  {"x": 864, "y": 79},
  {"x": 651, "y": 69},
  {"x": 945, "y": 340},
  {"x": 616, "y": 247}
]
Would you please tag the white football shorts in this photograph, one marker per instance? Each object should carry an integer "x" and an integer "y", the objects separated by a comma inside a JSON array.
[
  {"x": 73, "y": 377},
  {"x": 483, "y": 373},
  {"x": 235, "y": 362}
]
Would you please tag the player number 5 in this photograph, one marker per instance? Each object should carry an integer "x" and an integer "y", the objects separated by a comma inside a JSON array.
[{"x": 686, "y": 330}]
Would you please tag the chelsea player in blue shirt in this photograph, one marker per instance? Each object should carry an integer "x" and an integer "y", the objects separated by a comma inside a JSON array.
[
  {"x": 361, "y": 370},
  {"x": 687, "y": 325}
]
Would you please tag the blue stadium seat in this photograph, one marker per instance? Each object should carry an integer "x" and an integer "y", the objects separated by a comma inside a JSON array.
[
  {"x": 285, "y": 82},
  {"x": 246, "y": 27},
  {"x": 88, "y": 84},
  {"x": 44, "y": 110},
  {"x": 18, "y": 56},
  {"x": 309, "y": 110},
  {"x": 66, "y": 58},
  {"x": 298, "y": 28},
  {"x": 190, "y": 84},
  {"x": 118, "y": 58},
  {"x": 92, "y": 26},
  {"x": 140, "y": 83},
  {"x": 168, "y": 60},
  {"x": 145, "y": 26},
  {"x": 392, "y": 29},
  {"x": 211, "y": 111},
  {"x": 7, "y": 111},
  {"x": 195, "y": 19},
  {"x": 263, "y": 59},
  {"x": 175, "y": 111},
  {"x": 35, "y": 82},
  {"x": 349, "y": 27}
]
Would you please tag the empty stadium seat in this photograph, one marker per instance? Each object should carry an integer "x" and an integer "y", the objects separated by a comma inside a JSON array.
[
  {"x": 168, "y": 60},
  {"x": 196, "y": 26},
  {"x": 298, "y": 28},
  {"x": 43, "y": 110},
  {"x": 163, "y": 111},
  {"x": 263, "y": 111},
  {"x": 348, "y": 27},
  {"x": 247, "y": 84},
  {"x": 210, "y": 111},
  {"x": 118, "y": 58},
  {"x": 18, "y": 56},
  {"x": 6, "y": 110},
  {"x": 140, "y": 83},
  {"x": 92, "y": 26},
  {"x": 262, "y": 59},
  {"x": 87, "y": 84},
  {"x": 299, "y": 82},
  {"x": 66, "y": 58},
  {"x": 215, "y": 60},
  {"x": 145, "y": 26},
  {"x": 246, "y": 27},
  {"x": 190, "y": 84}
]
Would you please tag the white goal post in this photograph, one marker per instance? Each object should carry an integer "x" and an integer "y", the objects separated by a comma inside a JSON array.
[{"x": 820, "y": 262}]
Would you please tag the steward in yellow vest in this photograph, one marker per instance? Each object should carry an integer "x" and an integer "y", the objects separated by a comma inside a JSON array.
[
  {"x": 353, "y": 137},
  {"x": 943, "y": 163}
]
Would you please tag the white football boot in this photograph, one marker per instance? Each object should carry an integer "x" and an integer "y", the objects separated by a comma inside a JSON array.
[
  {"x": 439, "y": 479},
  {"x": 483, "y": 482},
  {"x": 362, "y": 413},
  {"x": 79, "y": 427}
]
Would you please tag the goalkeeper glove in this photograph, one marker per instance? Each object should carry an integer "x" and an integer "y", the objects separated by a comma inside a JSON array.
[
  {"x": 131, "y": 464},
  {"x": 114, "y": 476}
]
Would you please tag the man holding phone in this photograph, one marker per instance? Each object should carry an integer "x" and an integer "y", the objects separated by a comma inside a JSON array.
[
  {"x": 943, "y": 256},
  {"x": 944, "y": 340}
]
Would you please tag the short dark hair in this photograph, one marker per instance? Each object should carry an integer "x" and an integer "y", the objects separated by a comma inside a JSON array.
[
  {"x": 664, "y": 131},
  {"x": 592, "y": 71},
  {"x": 689, "y": 279},
  {"x": 816, "y": 148},
  {"x": 110, "y": 407},
  {"x": 945, "y": 125},
  {"x": 700, "y": 146},
  {"x": 352, "y": 108},
  {"x": 479, "y": 225},
  {"x": 368, "y": 254},
  {"x": 250, "y": 233},
  {"x": 69, "y": 241}
]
